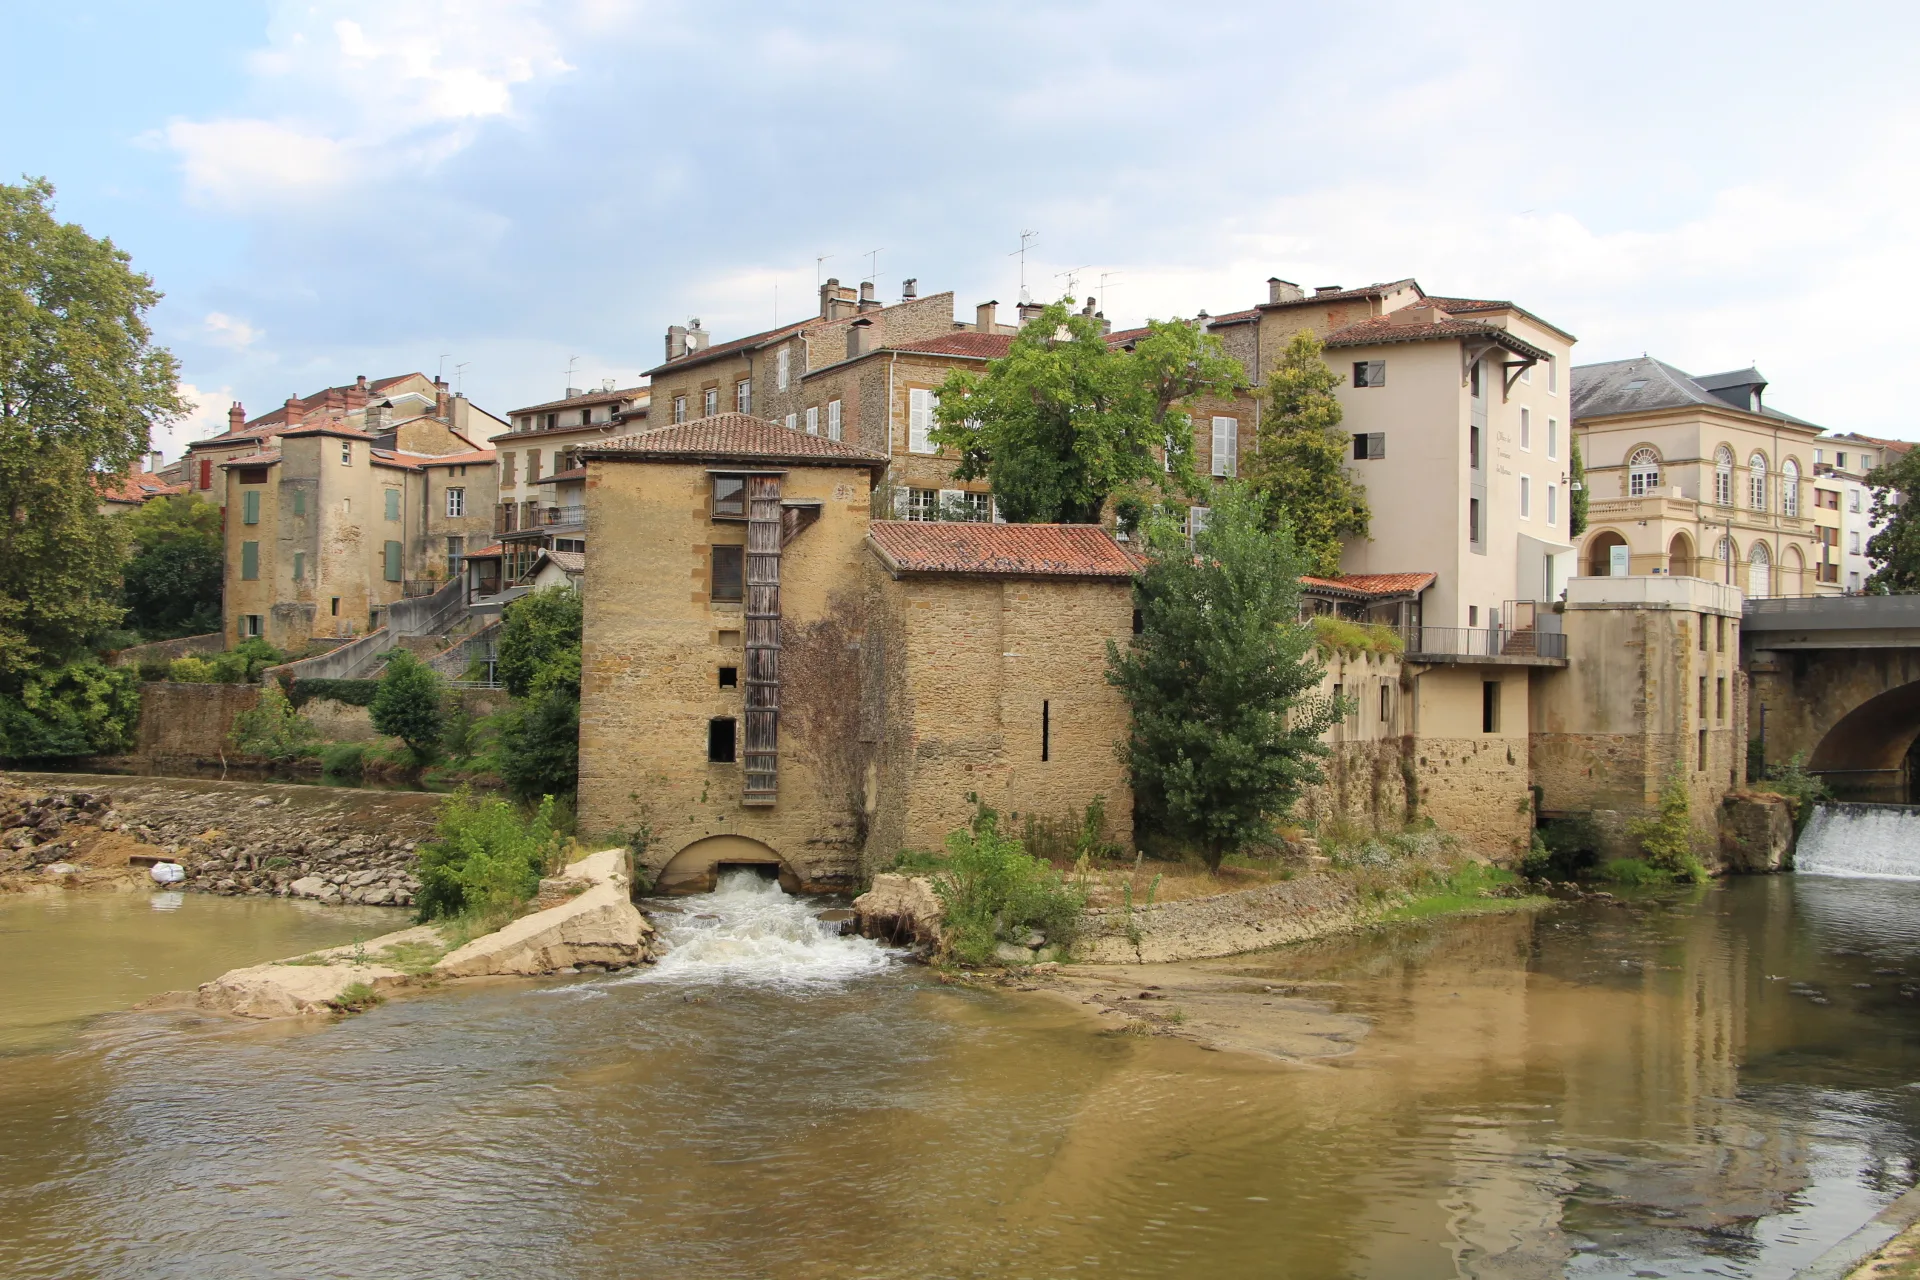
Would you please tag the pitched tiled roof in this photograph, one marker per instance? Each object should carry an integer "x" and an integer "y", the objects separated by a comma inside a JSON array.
[
  {"x": 576, "y": 473},
  {"x": 1000, "y": 550},
  {"x": 275, "y": 421},
  {"x": 730, "y": 348},
  {"x": 569, "y": 561},
  {"x": 1373, "y": 584},
  {"x": 733, "y": 437},
  {"x": 488, "y": 553},
  {"x": 1343, "y": 295},
  {"x": 136, "y": 488},
  {"x": 977, "y": 346},
  {"x": 1385, "y": 329},
  {"x": 590, "y": 397},
  {"x": 264, "y": 458},
  {"x": 478, "y": 457}
]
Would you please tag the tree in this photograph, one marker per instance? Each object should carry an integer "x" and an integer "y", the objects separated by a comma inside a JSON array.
[
  {"x": 82, "y": 387},
  {"x": 1895, "y": 549},
  {"x": 1300, "y": 466},
  {"x": 77, "y": 709},
  {"x": 540, "y": 642},
  {"x": 1065, "y": 420},
  {"x": 272, "y": 728},
  {"x": 540, "y": 746},
  {"x": 1220, "y": 678},
  {"x": 172, "y": 580},
  {"x": 1577, "y": 498},
  {"x": 407, "y": 704}
]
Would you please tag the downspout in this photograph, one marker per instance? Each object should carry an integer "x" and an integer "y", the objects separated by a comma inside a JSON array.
[{"x": 887, "y": 476}]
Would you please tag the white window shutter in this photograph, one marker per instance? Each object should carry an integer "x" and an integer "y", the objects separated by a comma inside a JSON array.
[
  {"x": 813, "y": 421},
  {"x": 953, "y": 504},
  {"x": 793, "y": 422},
  {"x": 833, "y": 419},
  {"x": 780, "y": 367},
  {"x": 1226, "y": 446},
  {"x": 1197, "y": 519},
  {"x": 920, "y": 404},
  {"x": 900, "y": 499}
]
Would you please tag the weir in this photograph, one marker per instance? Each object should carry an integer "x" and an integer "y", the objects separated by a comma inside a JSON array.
[
  {"x": 1881, "y": 841},
  {"x": 752, "y": 932}
]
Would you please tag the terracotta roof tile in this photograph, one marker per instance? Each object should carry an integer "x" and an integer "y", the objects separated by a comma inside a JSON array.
[
  {"x": 569, "y": 561},
  {"x": 978, "y": 346},
  {"x": 1344, "y": 295},
  {"x": 261, "y": 459},
  {"x": 592, "y": 397},
  {"x": 576, "y": 473},
  {"x": 1001, "y": 550},
  {"x": 137, "y": 487},
  {"x": 728, "y": 437},
  {"x": 730, "y": 348},
  {"x": 487, "y": 553},
  {"x": 1374, "y": 584},
  {"x": 1385, "y": 329},
  {"x": 479, "y": 457}
]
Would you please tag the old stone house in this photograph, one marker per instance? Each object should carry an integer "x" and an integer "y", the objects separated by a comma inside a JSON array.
[{"x": 537, "y": 508}]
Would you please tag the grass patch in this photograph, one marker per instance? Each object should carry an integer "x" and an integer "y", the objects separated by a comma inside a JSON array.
[
  {"x": 1351, "y": 639},
  {"x": 1635, "y": 871},
  {"x": 317, "y": 959},
  {"x": 414, "y": 959},
  {"x": 343, "y": 759},
  {"x": 1471, "y": 887},
  {"x": 357, "y": 997}
]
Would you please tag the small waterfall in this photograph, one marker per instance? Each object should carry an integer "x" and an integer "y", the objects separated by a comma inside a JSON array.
[
  {"x": 1880, "y": 841},
  {"x": 749, "y": 930}
]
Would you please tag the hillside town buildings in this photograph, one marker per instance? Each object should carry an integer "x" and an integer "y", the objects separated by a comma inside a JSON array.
[
  {"x": 539, "y": 505},
  {"x": 1841, "y": 464}
]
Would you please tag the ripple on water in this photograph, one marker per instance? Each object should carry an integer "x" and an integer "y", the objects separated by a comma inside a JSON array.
[{"x": 750, "y": 931}]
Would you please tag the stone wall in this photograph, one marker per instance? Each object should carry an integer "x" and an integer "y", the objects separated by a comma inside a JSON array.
[
  {"x": 1223, "y": 925},
  {"x": 187, "y": 722},
  {"x": 168, "y": 650}
]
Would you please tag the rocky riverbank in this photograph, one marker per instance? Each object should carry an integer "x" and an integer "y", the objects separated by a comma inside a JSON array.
[{"x": 327, "y": 844}]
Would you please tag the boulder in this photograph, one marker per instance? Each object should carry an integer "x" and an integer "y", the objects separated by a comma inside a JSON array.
[
  {"x": 309, "y": 887},
  {"x": 280, "y": 989},
  {"x": 904, "y": 910},
  {"x": 599, "y": 926}
]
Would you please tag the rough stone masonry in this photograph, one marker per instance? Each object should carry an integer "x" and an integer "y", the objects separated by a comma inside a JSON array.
[{"x": 331, "y": 845}]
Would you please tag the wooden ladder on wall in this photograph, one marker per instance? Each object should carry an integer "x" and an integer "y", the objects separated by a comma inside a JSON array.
[{"x": 763, "y": 640}]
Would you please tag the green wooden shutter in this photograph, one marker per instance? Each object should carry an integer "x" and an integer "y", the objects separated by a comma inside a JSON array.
[
  {"x": 250, "y": 561},
  {"x": 299, "y": 502},
  {"x": 250, "y": 503},
  {"x": 393, "y": 562},
  {"x": 299, "y": 566},
  {"x": 393, "y": 504}
]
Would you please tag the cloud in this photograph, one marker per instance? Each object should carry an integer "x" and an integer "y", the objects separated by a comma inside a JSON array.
[
  {"x": 386, "y": 90},
  {"x": 224, "y": 331},
  {"x": 208, "y": 418}
]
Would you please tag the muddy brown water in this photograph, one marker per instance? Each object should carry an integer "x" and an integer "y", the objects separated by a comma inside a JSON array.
[{"x": 1716, "y": 1083}]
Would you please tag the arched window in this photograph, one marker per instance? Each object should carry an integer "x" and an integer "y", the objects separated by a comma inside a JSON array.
[
  {"x": 1789, "y": 488},
  {"x": 1757, "y": 482},
  {"x": 1643, "y": 473},
  {"x": 1759, "y": 572},
  {"x": 1723, "y": 476}
]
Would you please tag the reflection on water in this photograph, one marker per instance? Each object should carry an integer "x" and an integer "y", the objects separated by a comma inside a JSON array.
[{"x": 1714, "y": 1084}]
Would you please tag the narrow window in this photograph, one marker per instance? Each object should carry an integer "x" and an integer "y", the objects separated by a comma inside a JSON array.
[
  {"x": 782, "y": 367},
  {"x": 533, "y": 465},
  {"x": 793, "y": 422},
  {"x": 743, "y": 396},
  {"x": 1703, "y": 697},
  {"x": 1553, "y": 378},
  {"x": 456, "y": 547},
  {"x": 553, "y": 422},
  {"x": 393, "y": 504},
  {"x": 833, "y": 419},
  {"x": 252, "y": 627},
  {"x": 1473, "y": 446},
  {"x": 507, "y": 461},
  {"x": 1720, "y": 628},
  {"x": 1703, "y": 633},
  {"x": 1226, "y": 446},
  {"x": 456, "y": 502},
  {"x": 921, "y": 406},
  {"x": 1553, "y": 435},
  {"x": 250, "y": 508},
  {"x": 1386, "y": 703},
  {"x": 206, "y": 473},
  {"x": 1046, "y": 731},
  {"x": 1139, "y": 622},
  {"x": 729, "y": 573},
  {"x": 1702, "y": 766},
  {"x": 1526, "y": 374},
  {"x": 1526, "y": 429},
  {"x": 1526, "y": 497},
  {"x": 679, "y": 408},
  {"x": 1720, "y": 699},
  {"x": 1553, "y": 504},
  {"x": 586, "y": 415},
  {"x": 720, "y": 740},
  {"x": 1643, "y": 473},
  {"x": 1473, "y": 615},
  {"x": 299, "y": 502},
  {"x": 1490, "y": 706},
  {"x": 813, "y": 420},
  {"x": 1757, "y": 482},
  {"x": 393, "y": 561},
  {"x": 299, "y": 566},
  {"x": 1723, "y": 476},
  {"x": 729, "y": 677},
  {"x": 249, "y": 562},
  {"x": 710, "y": 401},
  {"x": 1473, "y": 519},
  {"x": 729, "y": 497},
  {"x": 346, "y": 453},
  {"x": 1853, "y": 499},
  {"x": 336, "y": 606}
]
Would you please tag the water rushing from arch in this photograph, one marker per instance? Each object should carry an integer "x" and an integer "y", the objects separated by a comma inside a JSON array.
[
  {"x": 750, "y": 930},
  {"x": 1880, "y": 841}
]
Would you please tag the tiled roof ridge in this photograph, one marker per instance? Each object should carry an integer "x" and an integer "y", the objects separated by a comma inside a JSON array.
[
  {"x": 584, "y": 398},
  {"x": 726, "y": 435},
  {"x": 1001, "y": 550},
  {"x": 737, "y": 344}
]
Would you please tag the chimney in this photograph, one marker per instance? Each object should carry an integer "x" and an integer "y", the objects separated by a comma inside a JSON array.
[
  {"x": 377, "y": 414},
  {"x": 442, "y": 402},
  {"x": 835, "y": 301},
  {"x": 676, "y": 341},
  {"x": 360, "y": 383},
  {"x": 1419, "y": 313},
  {"x": 696, "y": 336},
  {"x": 1279, "y": 290},
  {"x": 983, "y": 316},
  {"x": 909, "y": 289},
  {"x": 1029, "y": 311},
  {"x": 859, "y": 338},
  {"x": 153, "y": 461},
  {"x": 1088, "y": 309},
  {"x": 573, "y": 393},
  {"x": 291, "y": 411},
  {"x": 868, "y": 302},
  {"x": 236, "y": 417},
  {"x": 1320, "y": 289}
]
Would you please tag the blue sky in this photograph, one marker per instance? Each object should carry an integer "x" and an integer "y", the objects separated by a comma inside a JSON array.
[{"x": 330, "y": 189}]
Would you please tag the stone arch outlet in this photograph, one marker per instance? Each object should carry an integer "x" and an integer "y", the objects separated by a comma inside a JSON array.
[
  {"x": 695, "y": 868},
  {"x": 1864, "y": 755}
]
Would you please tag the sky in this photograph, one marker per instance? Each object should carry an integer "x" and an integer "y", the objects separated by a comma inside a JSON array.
[{"x": 506, "y": 190}]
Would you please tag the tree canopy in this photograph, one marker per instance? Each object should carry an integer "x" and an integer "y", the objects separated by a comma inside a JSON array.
[
  {"x": 1066, "y": 420},
  {"x": 1221, "y": 679},
  {"x": 1577, "y": 498},
  {"x": 1895, "y": 549},
  {"x": 1300, "y": 464},
  {"x": 82, "y": 387},
  {"x": 172, "y": 580},
  {"x": 407, "y": 704},
  {"x": 539, "y": 646}
]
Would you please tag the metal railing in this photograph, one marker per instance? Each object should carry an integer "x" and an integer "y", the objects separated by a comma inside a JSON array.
[
  {"x": 563, "y": 515},
  {"x": 1484, "y": 642}
]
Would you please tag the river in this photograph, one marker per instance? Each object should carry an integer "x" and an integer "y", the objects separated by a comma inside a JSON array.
[{"x": 1709, "y": 1082}]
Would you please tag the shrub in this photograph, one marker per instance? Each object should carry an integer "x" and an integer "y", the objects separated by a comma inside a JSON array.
[
  {"x": 1635, "y": 871},
  {"x": 80, "y": 709},
  {"x": 243, "y": 663},
  {"x": 343, "y": 759},
  {"x": 356, "y": 997},
  {"x": 352, "y": 693},
  {"x": 153, "y": 670},
  {"x": 486, "y": 857},
  {"x": 272, "y": 729},
  {"x": 1667, "y": 841},
  {"x": 538, "y": 635},
  {"x": 190, "y": 671},
  {"x": 992, "y": 890},
  {"x": 1342, "y": 635},
  {"x": 407, "y": 706},
  {"x": 1803, "y": 790},
  {"x": 540, "y": 747},
  {"x": 1563, "y": 849}
]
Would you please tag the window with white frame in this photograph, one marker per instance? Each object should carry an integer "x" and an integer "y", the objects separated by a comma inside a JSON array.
[
  {"x": 346, "y": 453},
  {"x": 743, "y": 396},
  {"x": 1369, "y": 373},
  {"x": 710, "y": 402},
  {"x": 1196, "y": 520},
  {"x": 1643, "y": 473},
  {"x": 813, "y": 420},
  {"x": 1553, "y": 503},
  {"x": 1553, "y": 378},
  {"x": 833, "y": 419},
  {"x": 1526, "y": 429},
  {"x": 1226, "y": 446},
  {"x": 977, "y": 507},
  {"x": 1853, "y": 542},
  {"x": 1789, "y": 488},
  {"x": 782, "y": 367},
  {"x": 1553, "y": 435},
  {"x": 1853, "y": 500},
  {"x": 456, "y": 502},
  {"x": 793, "y": 422},
  {"x": 1526, "y": 497},
  {"x": 923, "y": 504},
  {"x": 1723, "y": 476},
  {"x": 1526, "y": 374},
  {"x": 679, "y": 408},
  {"x": 1757, "y": 482},
  {"x": 922, "y": 404}
]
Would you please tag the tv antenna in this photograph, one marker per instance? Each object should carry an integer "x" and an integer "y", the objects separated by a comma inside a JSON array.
[
  {"x": 873, "y": 263},
  {"x": 1104, "y": 277},
  {"x": 1072, "y": 277},
  {"x": 571, "y": 361},
  {"x": 1026, "y": 238},
  {"x": 818, "y": 280},
  {"x": 439, "y": 373},
  {"x": 460, "y": 377}
]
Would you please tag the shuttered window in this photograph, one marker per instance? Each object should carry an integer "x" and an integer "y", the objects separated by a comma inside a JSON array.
[
  {"x": 1226, "y": 446},
  {"x": 250, "y": 508},
  {"x": 813, "y": 420},
  {"x": 833, "y": 419},
  {"x": 299, "y": 502},
  {"x": 1368, "y": 445},
  {"x": 782, "y": 367},
  {"x": 299, "y": 566},
  {"x": 249, "y": 562},
  {"x": 1369, "y": 373},
  {"x": 921, "y": 405},
  {"x": 393, "y": 561},
  {"x": 393, "y": 504}
]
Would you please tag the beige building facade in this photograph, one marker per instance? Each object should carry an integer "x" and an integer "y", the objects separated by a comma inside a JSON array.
[{"x": 534, "y": 512}]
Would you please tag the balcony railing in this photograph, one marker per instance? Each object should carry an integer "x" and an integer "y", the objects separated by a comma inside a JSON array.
[
  {"x": 1484, "y": 642},
  {"x": 563, "y": 515}
]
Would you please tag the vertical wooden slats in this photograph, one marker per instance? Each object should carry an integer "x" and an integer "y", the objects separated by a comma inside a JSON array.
[{"x": 763, "y": 640}]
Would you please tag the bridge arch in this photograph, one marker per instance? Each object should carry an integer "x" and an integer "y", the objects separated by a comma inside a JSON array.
[
  {"x": 697, "y": 866},
  {"x": 1864, "y": 754}
]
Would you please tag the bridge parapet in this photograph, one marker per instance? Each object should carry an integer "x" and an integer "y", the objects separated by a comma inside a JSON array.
[{"x": 1833, "y": 622}]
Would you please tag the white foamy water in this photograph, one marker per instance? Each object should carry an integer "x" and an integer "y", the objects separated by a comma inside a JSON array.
[
  {"x": 750, "y": 930},
  {"x": 1877, "y": 841}
]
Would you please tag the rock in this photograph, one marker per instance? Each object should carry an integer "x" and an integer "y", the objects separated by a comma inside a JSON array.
[
  {"x": 901, "y": 909},
  {"x": 1034, "y": 941},
  {"x": 1008, "y": 953},
  {"x": 360, "y": 879},
  {"x": 310, "y": 887},
  {"x": 276, "y": 990},
  {"x": 600, "y": 926},
  {"x": 62, "y": 869},
  {"x": 378, "y": 897}
]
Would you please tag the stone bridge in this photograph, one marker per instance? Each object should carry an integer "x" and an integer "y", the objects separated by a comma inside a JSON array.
[{"x": 1836, "y": 679}]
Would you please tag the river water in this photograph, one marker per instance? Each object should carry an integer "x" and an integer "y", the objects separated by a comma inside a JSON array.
[{"x": 1712, "y": 1082}]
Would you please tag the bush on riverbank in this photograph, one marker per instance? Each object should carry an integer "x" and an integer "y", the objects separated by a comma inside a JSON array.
[
  {"x": 273, "y": 729},
  {"x": 486, "y": 857},
  {"x": 1803, "y": 790},
  {"x": 1667, "y": 841},
  {"x": 992, "y": 891}
]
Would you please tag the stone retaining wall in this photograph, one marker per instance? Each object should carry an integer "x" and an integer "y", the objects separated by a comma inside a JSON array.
[
  {"x": 189, "y": 721},
  {"x": 1222, "y": 925}
]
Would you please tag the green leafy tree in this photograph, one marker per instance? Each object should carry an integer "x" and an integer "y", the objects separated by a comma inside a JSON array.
[
  {"x": 77, "y": 709},
  {"x": 273, "y": 729},
  {"x": 1668, "y": 840},
  {"x": 1577, "y": 499},
  {"x": 172, "y": 580},
  {"x": 1221, "y": 678},
  {"x": 1895, "y": 549},
  {"x": 540, "y": 746},
  {"x": 408, "y": 704},
  {"x": 1300, "y": 467},
  {"x": 486, "y": 857},
  {"x": 243, "y": 663},
  {"x": 540, "y": 642},
  {"x": 1066, "y": 421},
  {"x": 82, "y": 387}
]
